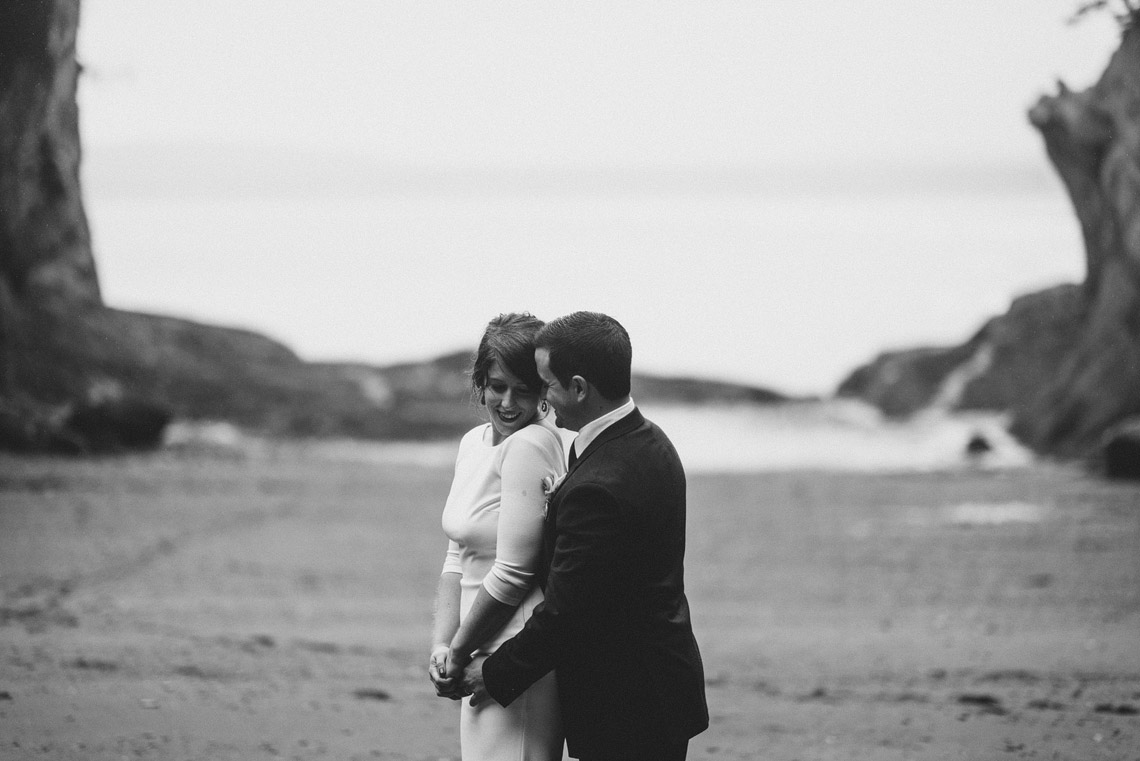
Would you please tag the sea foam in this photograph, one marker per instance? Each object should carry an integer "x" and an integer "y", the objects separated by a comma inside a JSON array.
[{"x": 838, "y": 435}]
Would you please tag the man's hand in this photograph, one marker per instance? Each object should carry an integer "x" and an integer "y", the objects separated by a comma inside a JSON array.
[{"x": 473, "y": 682}]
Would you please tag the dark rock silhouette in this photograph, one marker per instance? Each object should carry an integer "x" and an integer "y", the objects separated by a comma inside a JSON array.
[
  {"x": 1064, "y": 362},
  {"x": 1093, "y": 139},
  {"x": 903, "y": 382},
  {"x": 1121, "y": 450},
  {"x": 978, "y": 446},
  {"x": 118, "y": 425},
  {"x": 996, "y": 367},
  {"x": 206, "y": 372},
  {"x": 45, "y": 245},
  {"x": 687, "y": 390}
]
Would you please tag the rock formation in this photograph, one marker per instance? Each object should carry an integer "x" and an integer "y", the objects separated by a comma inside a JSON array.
[
  {"x": 1093, "y": 139},
  {"x": 1064, "y": 362},
  {"x": 77, "y": 377},
  {"x": 74, "y": 375},
  {"x": 45, "y": 246},
  {"x": 1122, "y": 450}
]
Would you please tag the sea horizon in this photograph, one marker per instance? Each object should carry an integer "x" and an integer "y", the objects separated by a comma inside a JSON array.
[
  {"x": 233, "y": 170},
  {"x": 748, "y": 278}
]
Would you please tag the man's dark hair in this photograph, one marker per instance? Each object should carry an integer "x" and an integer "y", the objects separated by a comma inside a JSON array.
[{"x": 592, "y": 345}]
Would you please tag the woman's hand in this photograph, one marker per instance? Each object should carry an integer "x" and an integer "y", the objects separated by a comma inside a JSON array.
[
  {"x": 445, "y": 686},
  {"x": 456, "y": 663}
]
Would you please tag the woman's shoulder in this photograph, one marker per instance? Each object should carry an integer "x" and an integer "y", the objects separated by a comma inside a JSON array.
[
  {"x": 475, "y": 436},
  {"x": 539, "y": 434}
]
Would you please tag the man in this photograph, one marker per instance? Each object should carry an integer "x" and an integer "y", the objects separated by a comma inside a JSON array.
[{"x": 615, "y": 622}]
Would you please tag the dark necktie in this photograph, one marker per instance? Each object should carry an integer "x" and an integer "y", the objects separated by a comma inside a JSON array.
[{"x": 573, "y": 456}]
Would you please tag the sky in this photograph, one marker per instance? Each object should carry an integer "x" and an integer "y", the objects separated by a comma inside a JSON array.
[{"x": 189, "y": 107}]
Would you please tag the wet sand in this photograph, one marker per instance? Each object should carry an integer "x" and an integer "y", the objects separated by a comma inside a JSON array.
[{"x": 278, "y": 606}]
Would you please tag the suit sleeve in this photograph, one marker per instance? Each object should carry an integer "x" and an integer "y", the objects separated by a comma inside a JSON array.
[{"x": 587, "y": 553}]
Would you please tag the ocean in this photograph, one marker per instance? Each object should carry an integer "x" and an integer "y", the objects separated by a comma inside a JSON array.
[
  {"x": 787, "y": 279},
  {"x": 840, "y": 435}
]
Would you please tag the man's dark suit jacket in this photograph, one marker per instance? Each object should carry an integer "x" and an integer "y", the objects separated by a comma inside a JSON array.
[{"x": 615, "y": 622}]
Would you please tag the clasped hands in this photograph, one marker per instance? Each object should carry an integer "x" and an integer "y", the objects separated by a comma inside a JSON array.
[{"x": 455, "y": 677}]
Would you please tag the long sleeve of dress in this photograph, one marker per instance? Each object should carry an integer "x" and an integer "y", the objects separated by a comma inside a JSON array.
[
  {"x": 525, "y": 463},
  {"x": 451, "y": 562}
]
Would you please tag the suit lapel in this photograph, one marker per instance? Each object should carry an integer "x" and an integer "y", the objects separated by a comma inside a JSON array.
[{"x": 619, "y": 428}]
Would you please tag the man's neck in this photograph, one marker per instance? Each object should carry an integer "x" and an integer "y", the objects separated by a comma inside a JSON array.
[
  {"x": 603, "y": 420},
  {"x": 605, "y": 407}
]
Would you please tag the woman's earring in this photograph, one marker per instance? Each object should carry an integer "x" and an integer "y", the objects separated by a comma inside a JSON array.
[
  {"x": 545, "y": 406},
  {"x": 483, "y": 398}
]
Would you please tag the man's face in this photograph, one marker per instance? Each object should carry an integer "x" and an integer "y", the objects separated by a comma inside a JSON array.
[{"x": 564, "y": 402}]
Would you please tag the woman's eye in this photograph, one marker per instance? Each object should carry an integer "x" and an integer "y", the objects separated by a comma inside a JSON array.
[{"x": 499, "y": 388}]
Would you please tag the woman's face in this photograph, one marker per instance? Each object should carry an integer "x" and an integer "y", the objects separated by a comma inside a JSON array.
[{"x": 511, "y": 403}]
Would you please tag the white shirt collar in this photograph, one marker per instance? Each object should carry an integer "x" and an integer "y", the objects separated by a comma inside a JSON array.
[{"x": 594, "y": 428}]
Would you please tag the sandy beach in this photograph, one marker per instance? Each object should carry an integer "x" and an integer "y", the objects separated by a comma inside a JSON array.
[{"x": 206, "y": 606}]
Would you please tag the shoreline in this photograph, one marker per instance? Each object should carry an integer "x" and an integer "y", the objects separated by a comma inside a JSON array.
[{"x": 827, "y": 435}]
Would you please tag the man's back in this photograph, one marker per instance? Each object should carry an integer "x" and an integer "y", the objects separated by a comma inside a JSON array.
[{"x": 615, "y": 615}]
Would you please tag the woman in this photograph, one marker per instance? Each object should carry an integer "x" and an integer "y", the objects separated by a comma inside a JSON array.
[{"x": 493, "y": 520}]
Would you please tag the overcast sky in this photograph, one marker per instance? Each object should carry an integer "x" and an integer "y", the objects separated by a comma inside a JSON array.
[
  {"x": 213, "y": 96},
  {"x": 478, "y": 82}
]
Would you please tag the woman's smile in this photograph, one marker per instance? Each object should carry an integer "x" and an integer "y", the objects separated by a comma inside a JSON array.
[
  {"x": 511, "y": 404},
  {"x": 508, "y": 417}
]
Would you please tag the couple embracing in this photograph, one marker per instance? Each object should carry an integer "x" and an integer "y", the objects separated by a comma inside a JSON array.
[{"x": 561, "y": 610}]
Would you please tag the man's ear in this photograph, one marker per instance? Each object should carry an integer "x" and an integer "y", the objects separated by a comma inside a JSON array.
[{"x": 579, "y": 387}]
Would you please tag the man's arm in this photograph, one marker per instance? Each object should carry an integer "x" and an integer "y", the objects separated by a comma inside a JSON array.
[{"x": 588, "y": 551}]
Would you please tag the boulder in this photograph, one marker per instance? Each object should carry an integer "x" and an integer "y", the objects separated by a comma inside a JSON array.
[
  {"x": 1121, "y": 450},
  {"x": 978, "y": 446},
  {"x": 33, "y": 429},
  {"x": 118, "y": 425}
]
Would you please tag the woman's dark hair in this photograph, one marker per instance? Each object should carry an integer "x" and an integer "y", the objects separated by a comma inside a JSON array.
[
  {"x": 592, "y": 345},
  {"x": 508, "y": 340}
]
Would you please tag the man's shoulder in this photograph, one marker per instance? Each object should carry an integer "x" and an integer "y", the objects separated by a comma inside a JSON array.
[
  {"x": 638, "y": 446},
  {"x": 636, "y": 431}
]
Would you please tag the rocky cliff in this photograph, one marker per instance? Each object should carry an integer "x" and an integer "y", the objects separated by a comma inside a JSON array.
[
  {"x": 76, "y": 376},
  {"x": 45, "y": 246},
  {"x": 1064, "y": 362},
  {"x": 126, "y": 365}
]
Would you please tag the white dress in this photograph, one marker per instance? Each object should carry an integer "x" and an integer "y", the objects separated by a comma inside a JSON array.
[{"x": 493, "y": 520}]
